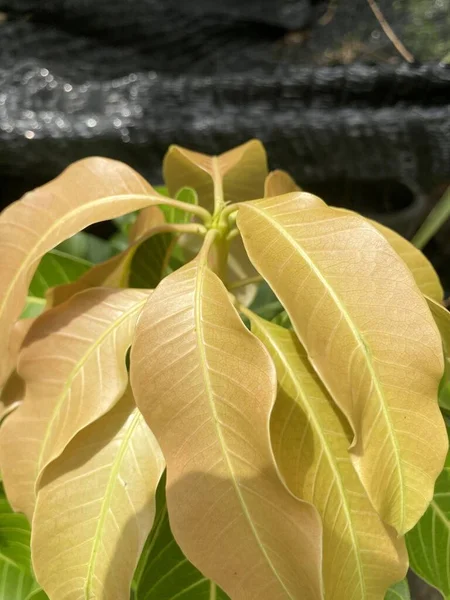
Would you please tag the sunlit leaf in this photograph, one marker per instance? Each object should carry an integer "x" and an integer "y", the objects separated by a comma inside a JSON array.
[
  {"x": 399, "y": 591},
  {"x": 95, "y": 508},
  {"x": 233, "y": 176},
  {"x": 429, "y": 542},
  {"x": 362, "y": 557},
  {"x": 163, "y": 571},
  {"x": 11, "y": 394},
  {"x": 74, "y": 367},
  {"x": 206, "y": 387},
  {"x": 369, "y": 335},
  {"x": 90, "y": 190},
  {"x": 279, "y": 182},
  {"x": 422, "y": 270}
]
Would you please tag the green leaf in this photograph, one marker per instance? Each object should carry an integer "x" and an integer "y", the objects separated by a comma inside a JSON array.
[
  {"x": 428, "y": 542},
  {"x": 163, "y": 572},
  {"x": 56, "y": 268},
  {"x": 87, "y": 246},
  {"x": 124, "y": 222},
  {"x": 37, "y": 595},
  {"x": 152, "y": 260},
  {"x": 176, "y": 215},
  {"x": 435, "y": 220},
  {"x": 16, "y": 579},
  {"x": 33, "y": 307},
  {"x": 399, "y": 591},
  {"x": 119, "y": 241}
]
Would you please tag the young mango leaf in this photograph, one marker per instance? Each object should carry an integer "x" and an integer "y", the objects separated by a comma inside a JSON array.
[
  {"x": 90, "y": 190},
  {"x": 16, "y": 578},
  {"x": 369, "y": 335},
  {"x": 75, "y": 371},
  {"x": 422, "y": 270},
  {"x": 429, "y": 542},
  {"x": 399, "y": 591},
  {"x": 209, "y": 407},
  {"x": 163, "y": 571},
  {"x": 233, "y": 176},
  {"x": 95, "y": 508},
  {"x": 11, "y": 395},
  {"x": 442, "y": 318},
  {"x": 361, "y": 556},
  {"x": 278, "y": 183}
]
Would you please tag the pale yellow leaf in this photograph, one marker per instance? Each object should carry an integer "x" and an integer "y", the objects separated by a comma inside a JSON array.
[
  {"x": 233, "y": 176},
  {"x": 422, "y": 270},
  {"x": 95, "y": 508},
  {"x": 362, "y": 556},
  {"x": 368, "y": 333},
  {"x": 74, "y": 369},
  {"x": 206, "y": 386},
  {"x": 90, "y": 190},
  {"x": 279, "y": 182},
  {"x": 12, "y": 392}
]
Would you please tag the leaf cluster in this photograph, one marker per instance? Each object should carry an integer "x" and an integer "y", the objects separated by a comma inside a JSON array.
[{"x": 237, "y": 398}]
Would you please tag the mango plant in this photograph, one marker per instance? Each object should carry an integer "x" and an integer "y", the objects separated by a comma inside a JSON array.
[{"x": 168, "y": 436}]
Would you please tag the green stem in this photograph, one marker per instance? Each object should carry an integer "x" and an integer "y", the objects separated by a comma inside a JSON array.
[
  {"x": 219, "y": 202},
  {"x": 437, "y": 217},
  {"x": 199, "y": 211},
  {"x": 233, "y": 233}
]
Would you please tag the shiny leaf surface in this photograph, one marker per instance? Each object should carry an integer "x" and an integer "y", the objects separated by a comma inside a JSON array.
[
  {"x": 310, "y": 439},
  {"x": 233, "y": 176},
  {"x": 95, "y": 508},
  {"x": 369, "y": 335},
  {"x": 90, "y": 190},
  {"x": 74, "y": 368},
  {"x": 209, "y": 404}
]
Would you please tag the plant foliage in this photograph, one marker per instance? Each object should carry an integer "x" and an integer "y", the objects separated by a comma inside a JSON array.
[{"x": 240, "y": 401}]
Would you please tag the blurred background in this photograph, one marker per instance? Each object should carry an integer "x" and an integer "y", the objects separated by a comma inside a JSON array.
[{"x": 356, "y": 117}]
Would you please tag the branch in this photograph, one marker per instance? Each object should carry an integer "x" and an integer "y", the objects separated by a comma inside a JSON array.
[{"x": 389, "y": 32}]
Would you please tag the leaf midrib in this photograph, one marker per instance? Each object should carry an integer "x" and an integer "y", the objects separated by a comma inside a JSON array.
[
  {"x": 335, "y": 470},
  {"x": 106, "y": 503},
  {"x": 200, "y": 278},
  {"x": 358, "y": 337},
  {"x": 80, "y": 364},
  {"x": 57, "y": 224}
]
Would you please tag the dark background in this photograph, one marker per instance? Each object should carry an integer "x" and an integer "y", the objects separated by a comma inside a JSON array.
[{"x": 317, "y": 81}]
